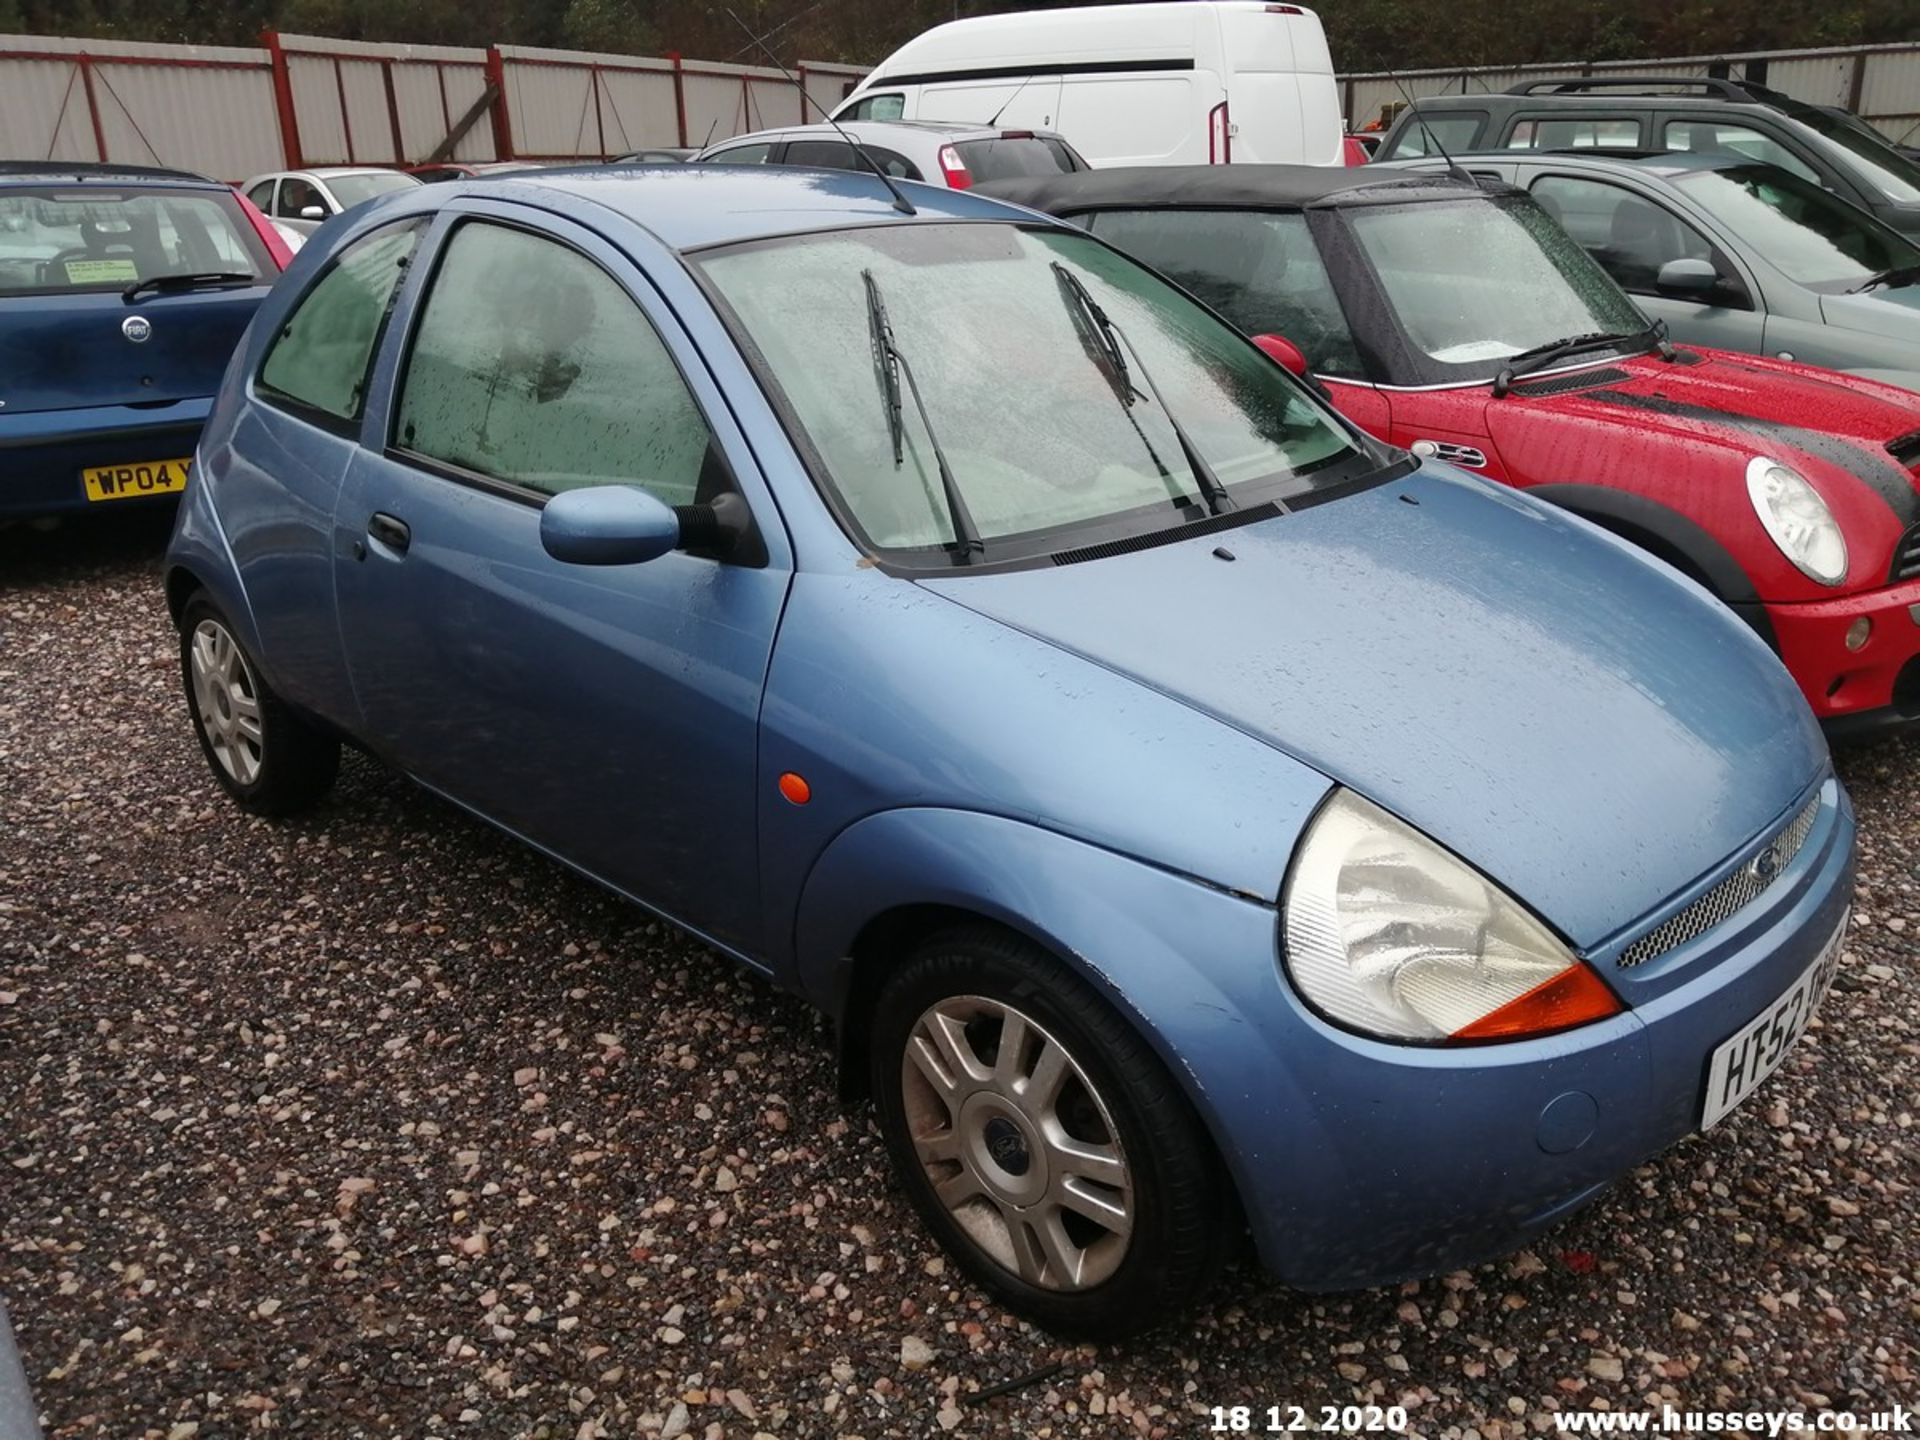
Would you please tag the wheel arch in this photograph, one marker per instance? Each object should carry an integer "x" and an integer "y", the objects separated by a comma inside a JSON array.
[
  {"x": 1667, "y": 535},
  {"x": 1129, "y": 930}
]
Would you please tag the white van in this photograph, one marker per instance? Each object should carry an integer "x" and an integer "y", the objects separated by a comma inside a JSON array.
[{"x": 1179, "y": 82}]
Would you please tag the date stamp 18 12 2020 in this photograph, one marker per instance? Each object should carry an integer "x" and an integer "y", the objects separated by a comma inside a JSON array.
[{"x": 1309, "y": 1419}]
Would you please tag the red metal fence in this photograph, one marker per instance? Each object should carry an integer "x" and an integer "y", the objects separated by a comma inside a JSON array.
[{"x": 302, "y": 100}]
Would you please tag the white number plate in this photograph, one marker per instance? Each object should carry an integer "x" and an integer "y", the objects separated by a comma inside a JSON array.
[{"x": 1738, "y": 1067}]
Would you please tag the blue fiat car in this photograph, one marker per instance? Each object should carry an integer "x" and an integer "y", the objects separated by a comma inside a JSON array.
[
  {"x": 1196, "y": 817},
  {"x": 123, "y": 291}
]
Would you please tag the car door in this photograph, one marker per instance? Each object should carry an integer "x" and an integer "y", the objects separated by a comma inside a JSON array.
[
  {"x": 608, "y": 714},
  {"x": 1633, "y": 233},
  {"x": 280, "y": 478}
]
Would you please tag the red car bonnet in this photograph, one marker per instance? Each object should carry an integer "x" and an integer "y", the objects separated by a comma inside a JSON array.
[{"x": 1683, "y": 432}]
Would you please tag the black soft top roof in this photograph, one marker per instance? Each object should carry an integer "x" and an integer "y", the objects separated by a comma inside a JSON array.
[{"x": 1238, "y": 187}]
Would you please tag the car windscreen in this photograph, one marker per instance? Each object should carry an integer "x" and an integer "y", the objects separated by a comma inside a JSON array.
[
  {"x": 1884, "y": 168},
  {"x": 351, "y": 190},
  {"x": 1049, "y": 444},
  {"x": 1006, "y": 159},
  {"x": 56, "y": 240},
  {"x": 1813, "y": 236},
  {"x": 1474, "y": 282}
]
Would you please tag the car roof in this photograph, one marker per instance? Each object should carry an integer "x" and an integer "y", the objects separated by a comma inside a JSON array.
[
  {"x": 876, "y": 131},
  {"x": 328, "y": 172},
  {"x": 1665, "y": 163},
  {"x": 1506, "y": 101},
  {"x": 692, "y": 206},
  {"x": 40, "y": 172},
  {"x": 1255, "y": 187}
]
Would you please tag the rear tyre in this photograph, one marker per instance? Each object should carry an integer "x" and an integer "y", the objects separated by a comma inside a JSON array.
[
  {"x": 1041, "y": 1140},
  {"x": 267, "y": 758}
]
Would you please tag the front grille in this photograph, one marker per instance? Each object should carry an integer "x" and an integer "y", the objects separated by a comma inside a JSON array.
[
  {"x": 1577, "y": 380},
  {"x": 1731, "y": 895},
  {"x": 1906, "y": 557}
]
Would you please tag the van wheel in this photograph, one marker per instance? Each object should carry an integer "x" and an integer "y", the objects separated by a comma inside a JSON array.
[
  {"x": 267, "y": 758},
  {"x": 1042, "y": 1141}
]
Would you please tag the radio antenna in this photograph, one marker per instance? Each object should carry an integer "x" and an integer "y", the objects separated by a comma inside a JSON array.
[
  {"x": 1433, "y": 141},
  {"x": 1028, "y": 80},
  {"x": 900, "y": 201}
]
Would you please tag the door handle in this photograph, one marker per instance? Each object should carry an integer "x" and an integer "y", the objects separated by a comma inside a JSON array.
[{"x": 390, "y": 531}]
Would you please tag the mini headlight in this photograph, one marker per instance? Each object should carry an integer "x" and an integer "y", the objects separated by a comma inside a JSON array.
[
  {"x": 1388, "y": 934},
  {"x": 1798, "y": 520}
]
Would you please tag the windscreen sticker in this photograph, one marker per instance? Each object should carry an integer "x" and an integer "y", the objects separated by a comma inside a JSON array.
[{"x": 100, "y": 272}]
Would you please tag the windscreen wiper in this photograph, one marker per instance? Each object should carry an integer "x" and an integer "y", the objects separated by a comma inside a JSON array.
[
  {"x": 889, "y": 365},
  {"x": 1541, "y": 356},
  {"x": 1109, "y": 360},
  {"x": 1897, "y": 276},
  {"x": 193, "y": 280},
  {"x": 1113, "y": 337}
]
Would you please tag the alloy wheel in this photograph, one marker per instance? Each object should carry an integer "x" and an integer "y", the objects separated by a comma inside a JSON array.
[
  {"x": 227, "y": 701},
  {"x": 1016, "y": 1142}
]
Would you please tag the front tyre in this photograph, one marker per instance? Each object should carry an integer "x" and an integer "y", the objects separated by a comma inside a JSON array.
[
  {"x": 270, "y": 760},
  {"x": 1042, "y": 1141}
]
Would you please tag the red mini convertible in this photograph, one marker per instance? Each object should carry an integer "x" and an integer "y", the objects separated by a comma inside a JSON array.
[{"x": 1457, "y": 319}]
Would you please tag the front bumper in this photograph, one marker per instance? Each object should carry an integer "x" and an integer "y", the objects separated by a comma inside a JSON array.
[
  {"x": 1364, "y": 1163},
  {"x": 42, "y": 453},
  {"x": 1852, "y": 692}
]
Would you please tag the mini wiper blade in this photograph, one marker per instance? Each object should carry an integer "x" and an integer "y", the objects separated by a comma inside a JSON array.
[
  {"x": 1897, "y": 276},
  {"x": 1113, "y": 338},
  {"x": 890, "y": 366},
  {"x": 1541, "y": 356},
  {"x": 190, "y": 281}
]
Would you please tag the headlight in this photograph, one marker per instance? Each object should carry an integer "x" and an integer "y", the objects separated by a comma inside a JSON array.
[
  {"x": 1388, "y": 934},
  {"x": 1798, "y": 520}
]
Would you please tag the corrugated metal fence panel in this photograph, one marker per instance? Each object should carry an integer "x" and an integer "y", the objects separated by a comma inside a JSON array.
[
  {"x": 43, "y": 112},
  {"x": 572, "y": 104},
  {"x": 316, "y": 110},
  {"x": 637, "y": 109},
  {"x": 1819, "y": 80},
  {"x": 727, "y": 100},
  {"x": 195, "y": 106},
  {"x": 221, "y": 122},
  {"x": 1891, "y": 89}
]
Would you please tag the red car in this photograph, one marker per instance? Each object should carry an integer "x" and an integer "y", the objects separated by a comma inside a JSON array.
[{"x": 1455, "y": 318}]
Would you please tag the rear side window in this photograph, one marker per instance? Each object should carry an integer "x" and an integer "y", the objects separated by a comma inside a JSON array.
[
  {"x": 1263, "y": 272},
  {"x": 59, "y": 241},
  {"x": 1714, "y": 137},
  {"x": 534, "y": 367},
  {"x": 1575, "y": 133},
  {"x": 838, "y": 155},
  {"x": 1456, "y": 131},
  {"x": 319, "y": 359},
  {"x": 1005, "y": 159},
  {"x": 755, "y": 154}
]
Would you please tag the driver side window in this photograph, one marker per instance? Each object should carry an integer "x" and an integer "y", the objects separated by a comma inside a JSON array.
[
  {"x": 1631, "y": 236},
  {"x": 534, "y": 367}
]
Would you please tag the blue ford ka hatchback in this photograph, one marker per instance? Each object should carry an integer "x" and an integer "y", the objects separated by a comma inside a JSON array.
[{"x": 1196, "y": 817}]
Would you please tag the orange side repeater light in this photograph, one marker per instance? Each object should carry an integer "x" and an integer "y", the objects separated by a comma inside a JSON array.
[
  {"x": 1573, "y": 997},
  {"x": 796, "y": 790}
]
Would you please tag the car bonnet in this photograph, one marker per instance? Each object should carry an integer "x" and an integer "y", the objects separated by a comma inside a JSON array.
[
  {"x": 1743, "y": 405},
  {"x": 1579, "y": 723}
]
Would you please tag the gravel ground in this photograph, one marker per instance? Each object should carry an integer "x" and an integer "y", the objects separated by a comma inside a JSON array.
[{"x": 378, "y": 1124}]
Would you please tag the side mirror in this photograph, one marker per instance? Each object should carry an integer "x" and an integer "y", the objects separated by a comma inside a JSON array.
[
  {"x": 1692, "y": 278},
  {"x": 313, "y": 212},
  {"x": 1284, "y": 352},
  {"x": 607, "y": 525}
]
